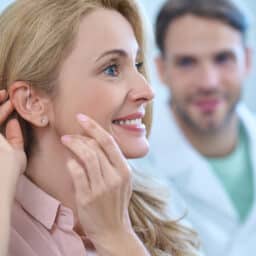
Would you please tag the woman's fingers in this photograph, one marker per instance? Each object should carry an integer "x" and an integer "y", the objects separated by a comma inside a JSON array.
[
  {"x": 14, "y": 134},
  {"x": 104, "y": 139},
  {"x": 87, "y": 156},
  {"x": 12, "y": 144},
  {"x": 108, "y": 172},
  {"x": 79, "y": 178},
  {"x": 3, "y": 95},
  {"x": 5, "y": 110}
]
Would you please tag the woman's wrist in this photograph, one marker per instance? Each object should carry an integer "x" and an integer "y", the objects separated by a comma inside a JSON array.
[
  {"x": 121, "y": 243},
  {"x": 5, "y": 220},
  {"x": 7, "y": 190},
  {"x": 6, "y": 198}
]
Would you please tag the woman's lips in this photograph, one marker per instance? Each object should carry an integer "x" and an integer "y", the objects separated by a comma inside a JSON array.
[
  {"x": 131, "y": 123},
  {"x": 137, "y": 115},
  {"x": 133, "y": 128}
]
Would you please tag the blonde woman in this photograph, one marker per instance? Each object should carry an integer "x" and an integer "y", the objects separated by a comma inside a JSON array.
[{"x": 75, "y": 77}]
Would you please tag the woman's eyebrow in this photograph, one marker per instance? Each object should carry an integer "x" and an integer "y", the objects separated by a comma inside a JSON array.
[{"x": 119, "y": 52}]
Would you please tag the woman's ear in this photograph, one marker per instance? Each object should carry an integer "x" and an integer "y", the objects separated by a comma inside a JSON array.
[{"x": 29, "y": 104}]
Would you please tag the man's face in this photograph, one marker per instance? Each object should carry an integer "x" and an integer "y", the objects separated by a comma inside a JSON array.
[{"x": 204, "y": 64}]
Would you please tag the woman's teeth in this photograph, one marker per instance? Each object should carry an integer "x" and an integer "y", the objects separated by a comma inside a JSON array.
[{"x": 129, "y": 122}]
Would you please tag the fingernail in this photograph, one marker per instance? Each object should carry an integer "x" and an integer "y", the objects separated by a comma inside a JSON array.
[
  {"x": 82, "y": 117},
  {"x": 65, "y": 138}
]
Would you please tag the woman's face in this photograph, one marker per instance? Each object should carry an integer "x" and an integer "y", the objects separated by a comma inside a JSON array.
[{"x": 101, "y": 78}]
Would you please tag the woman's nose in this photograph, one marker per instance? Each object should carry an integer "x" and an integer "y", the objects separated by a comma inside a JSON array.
[{"x": 141, "y": 90}]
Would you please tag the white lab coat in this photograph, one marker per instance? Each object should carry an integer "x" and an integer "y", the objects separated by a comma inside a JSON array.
[{"x": 210, "y": 209}]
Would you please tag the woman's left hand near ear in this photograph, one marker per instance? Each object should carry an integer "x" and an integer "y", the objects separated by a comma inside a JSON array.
[
  {"x": 12, "y": 155},
  {"x": 12, "y": 164}
]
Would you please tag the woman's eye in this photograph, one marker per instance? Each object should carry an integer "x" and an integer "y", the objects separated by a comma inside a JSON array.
[
  {"x": 112, "y": 70},
  {"x": 139, "y": 66}
]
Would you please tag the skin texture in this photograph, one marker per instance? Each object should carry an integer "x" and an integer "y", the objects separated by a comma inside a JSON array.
[
  {"x": 86, "y": 159},
  {"x": 204, "y": 68}
]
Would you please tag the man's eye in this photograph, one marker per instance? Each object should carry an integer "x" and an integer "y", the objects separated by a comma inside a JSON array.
[
  {"x": 112, "y": 70},
  {"x": 185, "y": 62},
  {"x": 223, "y": 58}
]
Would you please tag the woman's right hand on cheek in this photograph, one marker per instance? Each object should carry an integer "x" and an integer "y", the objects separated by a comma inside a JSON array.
[
  {"x": 12, "y": 155},
  {"x": 102, "y": 180}
]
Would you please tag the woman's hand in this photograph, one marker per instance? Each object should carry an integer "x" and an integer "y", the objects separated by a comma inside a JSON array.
[
  {"x": 102, "y": 180},
  {"x": 12, "y": 164},
  {"x": 12, "y": 155}
]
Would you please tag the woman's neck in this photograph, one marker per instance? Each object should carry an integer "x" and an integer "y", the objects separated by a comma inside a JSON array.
[{"x": 47, "y": 169}]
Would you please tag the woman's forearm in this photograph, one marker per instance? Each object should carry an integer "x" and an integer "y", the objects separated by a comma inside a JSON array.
[
  {"x": 5, "y": 216},
  {"x": 7, "y": 193}
]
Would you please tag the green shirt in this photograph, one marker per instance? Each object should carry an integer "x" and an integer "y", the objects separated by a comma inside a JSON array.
[{"x": 236, "y": 175}]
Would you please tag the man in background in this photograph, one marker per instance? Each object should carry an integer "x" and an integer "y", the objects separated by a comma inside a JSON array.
[{"x": 203, "y": 138}]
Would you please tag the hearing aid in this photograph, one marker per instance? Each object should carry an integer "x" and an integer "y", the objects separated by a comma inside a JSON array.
[{"x": 28, "y": 103}]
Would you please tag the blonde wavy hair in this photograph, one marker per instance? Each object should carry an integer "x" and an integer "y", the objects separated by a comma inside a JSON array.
[{"x": 36, "y": 36}]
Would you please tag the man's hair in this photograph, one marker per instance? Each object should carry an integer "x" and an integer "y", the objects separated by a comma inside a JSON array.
[{"x": 225, "y": 11}]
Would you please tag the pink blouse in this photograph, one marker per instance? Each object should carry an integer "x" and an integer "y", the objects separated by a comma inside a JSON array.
[{"x": 41, "y": 226}]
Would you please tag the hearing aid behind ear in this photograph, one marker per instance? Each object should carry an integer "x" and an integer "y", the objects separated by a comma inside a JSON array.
[{"x": 28, "y": 103}]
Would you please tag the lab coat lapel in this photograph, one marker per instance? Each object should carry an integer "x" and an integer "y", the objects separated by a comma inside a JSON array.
[
  {"x": 246, "y": 232},
  {"x": 249, "y": 123}
]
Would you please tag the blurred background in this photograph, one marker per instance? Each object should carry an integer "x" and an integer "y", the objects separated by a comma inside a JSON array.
[{"x": 151, "y": 7}]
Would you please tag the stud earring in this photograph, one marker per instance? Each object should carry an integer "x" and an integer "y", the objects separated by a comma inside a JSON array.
[{"x": 44, "y": 120}]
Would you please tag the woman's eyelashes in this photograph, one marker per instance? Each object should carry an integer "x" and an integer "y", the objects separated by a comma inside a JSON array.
[
  {"x": 114, "y": 69},
  {"x": 139, "y": 65}
]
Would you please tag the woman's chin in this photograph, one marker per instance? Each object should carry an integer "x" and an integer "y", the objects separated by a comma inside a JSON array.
[{"x": 131, "y": 150}]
